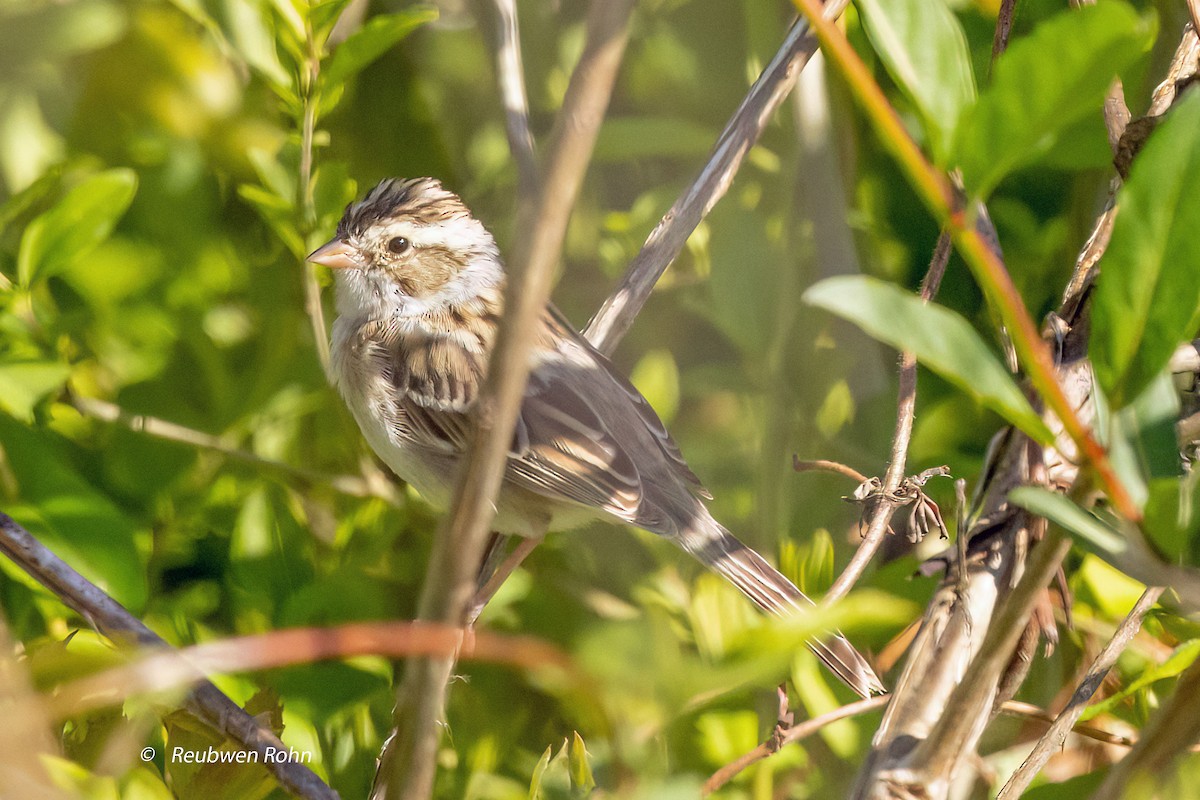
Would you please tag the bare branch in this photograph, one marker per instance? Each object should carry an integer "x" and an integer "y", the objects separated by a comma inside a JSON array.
[
  {"x": 794, "y": 734},
  {"x": 1173, "y": 729},
  {"x": 510, "y": 74},
  {"x": 1053, "y": 739},
  {"x": 501, "y": 17},
  {"x": 162, "y": 670},
  {"x": 408, "y": 763},
  {"x": 1004, "y": 24},
  {"x": 305, "y": 205},
  {"x": 805, "y": 729},
  {"x": 906, "y": 405},
  {"x": 205, "y": 702},
  {"x": 377, "y": 485},
  {"x": 667, "y": 239},
  {"x": 828, "y": 466}
]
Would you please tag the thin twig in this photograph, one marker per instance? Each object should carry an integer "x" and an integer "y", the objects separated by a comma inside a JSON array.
[
  {"x": 667, "y": 239},
  {"x": 510, "y": 74},
  {"x": 828, "y": 466},
  {"x": 805, "y": 729},
  {"x": 905, "y": 413},
  {"x": 352, "y": 485},
  {"x": 794, "y": 734},
  {"x": 161, "y": 670},
  {"x": 205, "y": 702},
  {"x": 310, "y": 73},
  {"x": 409, "y": 764},
  {"x": 1053, "y": 738},
  {"x": 1016, "y": 708},
  {"x": 1004, "y": 23},
  {"x": 1172, "y": 730}
]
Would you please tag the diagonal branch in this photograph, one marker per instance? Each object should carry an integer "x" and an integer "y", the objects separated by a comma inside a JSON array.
[
  {"x": 408, "y": 764},
  {"x": 374, "y": 485},
  {"x": 615, "y": 317},
  {"x": 1174, "y": 728},
  {"x": 205, "y": 702},
  {"x": 905, "y": 412},
  {"x": 1052, "y": 740},
  {"x": 793, "y": 734},
  {"x": 163, "y": 670},
  {"x": 510, "y": 75}
]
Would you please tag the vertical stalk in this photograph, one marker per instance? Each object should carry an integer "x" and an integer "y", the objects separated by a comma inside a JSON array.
[{"x": 305, "y": 206}]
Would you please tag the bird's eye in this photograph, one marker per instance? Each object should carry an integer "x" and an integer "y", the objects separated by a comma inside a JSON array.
[{"x": 399, "y": 245}]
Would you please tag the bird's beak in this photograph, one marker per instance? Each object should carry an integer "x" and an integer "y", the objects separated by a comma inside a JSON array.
[{"x": 337, "y": 254}]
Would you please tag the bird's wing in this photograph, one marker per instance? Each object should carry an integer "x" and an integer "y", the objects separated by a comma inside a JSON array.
[{"x": 584, "y": 435}]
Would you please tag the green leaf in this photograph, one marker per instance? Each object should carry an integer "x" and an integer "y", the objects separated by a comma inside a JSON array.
[
  {"x": 925, "y": 51},
  {"x": 809, "y": 565},
  {"x": 940, "y": 338},
  {"x": 1170, "y": 524},
  {"x": 79, "y": 222},
  {"x": 1044, "y": 84},
  {"x": 1070, "y": 517},
  {"x": 24, "y": 383},
  {"x": 539, "y": 771},
  {"x": 80, "y": 524},
  {"x": 373, "y": 40},
  {"x": 324, "y": 15},
  {"x": 1183, "y": 657},
  {"x": 1148, "y": 297},
  {"x": 30, "y": 196},
  {"x": 580, "y": 770}
]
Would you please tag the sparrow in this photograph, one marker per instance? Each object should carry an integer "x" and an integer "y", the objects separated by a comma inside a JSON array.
[{"x": 419, "y": 295}]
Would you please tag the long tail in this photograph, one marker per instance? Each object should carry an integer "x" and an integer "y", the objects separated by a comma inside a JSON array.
[{"x": 721, "y": 551}]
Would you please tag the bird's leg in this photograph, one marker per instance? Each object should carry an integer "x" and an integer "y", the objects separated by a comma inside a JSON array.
[
  {"x": 489, "y": 586},
  {"x": 492, "y": 558}
]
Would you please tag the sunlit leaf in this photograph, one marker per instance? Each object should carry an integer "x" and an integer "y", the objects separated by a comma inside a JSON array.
[
  {"x": 1168, "y": 524},
  {"x": 925, "y": 51},
  {"x": 373, "y": 40},
  {"x": 1042, "y": 85},
  {"x": 24, "y": 383},
  {"x": 79, "y": 222},
  {"x": 324, "y": 15},
  {"x": 1070, "y": 517},
  {"x": 1147, "y": 298},
  {"x": 1182, "y": 658},
  {"x": 539, "y": 773},
  {"x": 579, "y": 768},
  {"x": 80, "y": 524},
  {"x": 941, "y": 339}
]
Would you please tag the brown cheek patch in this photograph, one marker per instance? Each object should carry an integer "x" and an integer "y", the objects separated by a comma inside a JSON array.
[{"x": 427, "y": 271}]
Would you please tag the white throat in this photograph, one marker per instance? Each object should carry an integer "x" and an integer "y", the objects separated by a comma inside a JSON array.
[{"x": 371, "y": 295}]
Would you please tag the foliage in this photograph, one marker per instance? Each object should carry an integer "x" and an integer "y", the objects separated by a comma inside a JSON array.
[{"x": 165, "y": 167}]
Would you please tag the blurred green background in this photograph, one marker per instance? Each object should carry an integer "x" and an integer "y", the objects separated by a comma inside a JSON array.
[{"x": 152, "y": 228}]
